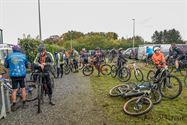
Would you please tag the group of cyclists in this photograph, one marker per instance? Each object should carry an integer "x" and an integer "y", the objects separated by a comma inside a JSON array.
[{"x": 17, "y": 64}]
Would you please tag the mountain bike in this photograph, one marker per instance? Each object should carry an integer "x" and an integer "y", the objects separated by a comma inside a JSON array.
[
  {"x": 120, "y": 71},
  {"x": 144, "y": 96},
  {"x": 137, "y": 72},
  {"x": 105, "y": 69},
  {"x": 169, "y": 85}
]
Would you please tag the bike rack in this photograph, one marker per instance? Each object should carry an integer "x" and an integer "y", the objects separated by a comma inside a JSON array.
[{"x": 4, "y": 101}]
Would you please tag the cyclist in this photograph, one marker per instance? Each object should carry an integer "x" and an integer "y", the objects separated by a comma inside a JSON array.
[
  {"x": 159, "y": 60},
  {"x": 97, "y": 58},
  {"x": 43, "y": 61},
  {"x": 120, "y": 59},
  {"x": 17, "y": 64},
  {"x": 112, "y": 54},
  {"x": 83, "y": 56},
  {"x": 74, "y": 55},
  {"x": 176, "y": 53},
  {"x": 60, "y": 60},
  {"x": 149, "y": 53}
]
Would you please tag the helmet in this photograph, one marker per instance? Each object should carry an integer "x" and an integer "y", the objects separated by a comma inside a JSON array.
[
  {"x": 41, "y": 48},
  {"x": 16, "y": 48},
  {"x": 120, "y": 49},
  {"x": 97, "y": 48},
  {"x": 156, "y": 48},
  {"x": 83, "y": 49}
]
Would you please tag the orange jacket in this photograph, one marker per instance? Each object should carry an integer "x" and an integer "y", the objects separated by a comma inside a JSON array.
[{"x": 158, "y": 58}]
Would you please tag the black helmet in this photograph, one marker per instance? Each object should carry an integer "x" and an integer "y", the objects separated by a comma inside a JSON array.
[{"x": 41, "y": 48}]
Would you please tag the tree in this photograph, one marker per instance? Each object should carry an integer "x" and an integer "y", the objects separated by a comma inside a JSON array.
[{"x": 167, "y": 37}]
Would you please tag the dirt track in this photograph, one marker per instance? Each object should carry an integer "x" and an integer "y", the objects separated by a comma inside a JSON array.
[{"x": 75, "y": 105}]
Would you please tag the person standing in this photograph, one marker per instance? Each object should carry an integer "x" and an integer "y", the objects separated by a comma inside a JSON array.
[{"x": 17, "y": 63}]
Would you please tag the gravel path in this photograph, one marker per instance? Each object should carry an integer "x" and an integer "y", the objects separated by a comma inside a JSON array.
[{"x": 75, "y": 105}]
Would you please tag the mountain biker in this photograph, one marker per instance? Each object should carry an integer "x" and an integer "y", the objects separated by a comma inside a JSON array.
[
  {"x": 159, "y": 60},
  {"x": 84, "y": 56},
  {"x": 17, "y": 64},
  {"x": 60, "y": 60},
  {"x": 120, "y": 58},
  {"x": 176, "y": 53},
  {"x": 74, "y": 55},
  {"x": 149, "y": 53},
  {"x": 97, "y": 57},
  {"x": 43, "y": 61},
  {"x": 112, "y": 53}
]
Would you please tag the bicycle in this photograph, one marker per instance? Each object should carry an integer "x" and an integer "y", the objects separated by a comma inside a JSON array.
[
  {"x": 144, "y": 96},
  {"x": 105, "y": 69},
  {"x": 133, "y": 90},
  {"x": 30, "y": 89},
  {"x": 137, "y": 72},
  {"x": 169, "y": 85},
  {"x": 120, "y": 71},
  {"x": 182, "y": 65}
]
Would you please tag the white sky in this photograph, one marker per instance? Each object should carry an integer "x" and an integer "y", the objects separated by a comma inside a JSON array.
[{"x": 59, "y": 16}]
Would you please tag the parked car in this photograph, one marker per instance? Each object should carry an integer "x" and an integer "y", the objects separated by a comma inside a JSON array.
[{"x": 131, "y": 53}]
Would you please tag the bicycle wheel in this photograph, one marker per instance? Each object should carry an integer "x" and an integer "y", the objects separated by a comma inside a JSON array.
[
  {"x": 155, "y": 96},
  {"x": 31, "y": 90},
  {"x": 118, "y": 90},
  {"x": 124, "y": 74},
  {"x": 170, "y": 87},
  {"x": 39, "y": 97},
  {"x": 88, "y": 70},
  {"x": 150, "y": 75},
  {"x": 106, "y": 69},
  {"x": 52, "y": 83},
  {"x": 66, "y": 69},
  {"x": 113, "y": 71},
  {"x": 138, "y": 75},
  {"x": 138, "y": 106}
]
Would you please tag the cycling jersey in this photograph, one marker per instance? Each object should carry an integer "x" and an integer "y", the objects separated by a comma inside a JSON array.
[{"x": 17, "y": 63}]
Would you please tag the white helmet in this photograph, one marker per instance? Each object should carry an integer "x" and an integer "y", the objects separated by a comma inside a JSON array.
[{"x": 156, "y": 48}]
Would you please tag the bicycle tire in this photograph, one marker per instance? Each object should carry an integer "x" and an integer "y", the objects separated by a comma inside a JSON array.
[
  {"x": 150, "y": 74},
  {"x": 31, "y": 91},
  {"x": 106, "y": 69},
  {"x": 52, "y": 83},
  {"x": 66, "y": 69},
  {"x": 88, "y": 70},
  {"x": 155, "y": 96},
  {"x": 39, "y": 98},
  {"x": 114, "y": 92},
  {"x": 145, "y": 101},
  {"x": 138, "y": 72},
  {"x": 164, "y": 85},
  {"x": 124, "y": 71},
  {"x": 113, "y": 71}
]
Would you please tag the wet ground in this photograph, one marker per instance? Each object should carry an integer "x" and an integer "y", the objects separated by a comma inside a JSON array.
[{"x": 75, "y": 105}]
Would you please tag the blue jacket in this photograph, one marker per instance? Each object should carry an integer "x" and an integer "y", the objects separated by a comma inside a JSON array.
[
  {"x": 17, "y": 63},
  {"x": 149, "y": 51}
]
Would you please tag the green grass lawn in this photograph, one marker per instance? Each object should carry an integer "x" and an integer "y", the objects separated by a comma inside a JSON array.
[{"x": 168, "y": 112}]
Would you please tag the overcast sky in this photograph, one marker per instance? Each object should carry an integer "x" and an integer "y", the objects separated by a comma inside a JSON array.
[{"x": 59, "y": 16}]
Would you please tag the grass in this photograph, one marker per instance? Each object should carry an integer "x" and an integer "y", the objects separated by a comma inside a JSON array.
[{"x": 168, "y": 112}]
